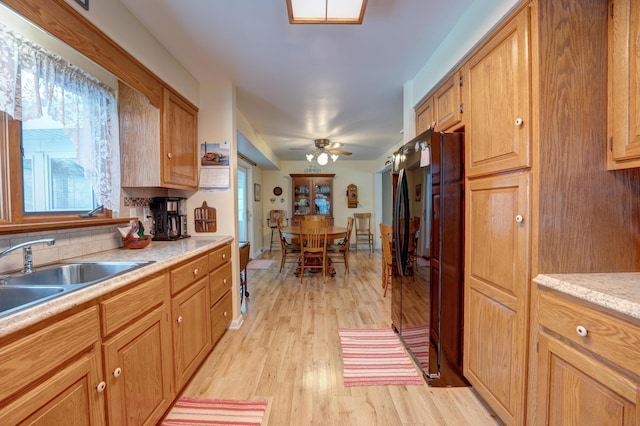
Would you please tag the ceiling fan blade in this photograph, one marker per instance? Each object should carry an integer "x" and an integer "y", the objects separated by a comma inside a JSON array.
[
  {"x": 334, "y": 145},
  {"x": 339, "y": 152}
]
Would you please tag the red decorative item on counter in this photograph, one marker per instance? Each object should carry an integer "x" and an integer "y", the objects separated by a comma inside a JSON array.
[{"x": 135, "y": 238}]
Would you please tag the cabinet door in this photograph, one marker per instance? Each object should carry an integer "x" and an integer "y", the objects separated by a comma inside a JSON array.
[
  {"x": 497, "y": 235},
  {"x": 191, "y": 330},
  {"x": 139, "y": 370},
  {"x": 575, "y": 389},
  {"x": 624, "y": 85},
  {"x": 497, "y": 106},
  {"x": 179, "y": 142},
  {"x": 447, "y": 103},
  {"x": 322, "y": 197},
  {"x": 301, "y": 197},
  {"x": 70, "y": 397},
  {"x": 424, "y": 115}
]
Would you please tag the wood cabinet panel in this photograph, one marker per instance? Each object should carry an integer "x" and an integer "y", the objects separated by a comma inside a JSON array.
[
  {"x": 78, "y": 332},
  {"x": 139, "y": 370},
  {"x": 220, "y": 281},
  {"x": 219, "y": 256},
  {"x": 447, "y": 102},
  {"x": 497, "y": 256},
  {"x": 425, "y": 117},
  {"x": 184, "y": 275},
  {"x": 221, "y": 314},
  {"x": 191, "y": 318},
  {"x": 179, "y": 150},
  {"x": 69, "y": 397},
  {"x": 497, "y": 84},
  {"x": 122, "y": 309},
  {"x": 624, "y": 85}
]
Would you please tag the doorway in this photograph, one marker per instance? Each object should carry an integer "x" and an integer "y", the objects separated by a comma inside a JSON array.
[{"x": 243, "y": 203}]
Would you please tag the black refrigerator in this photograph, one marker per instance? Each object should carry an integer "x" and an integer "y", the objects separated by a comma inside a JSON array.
[{"x": 427, "y": 298}]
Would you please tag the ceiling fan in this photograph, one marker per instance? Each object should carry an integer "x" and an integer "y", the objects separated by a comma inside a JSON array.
[{"x": 325, "y": 149}]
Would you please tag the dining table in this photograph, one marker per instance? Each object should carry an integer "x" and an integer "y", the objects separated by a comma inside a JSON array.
[{"x": 333, "y": 233}]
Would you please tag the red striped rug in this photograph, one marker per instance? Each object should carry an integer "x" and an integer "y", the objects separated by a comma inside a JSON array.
[
  {"x": 196, "y": 411},
  {"x": 375, "y": 357}
]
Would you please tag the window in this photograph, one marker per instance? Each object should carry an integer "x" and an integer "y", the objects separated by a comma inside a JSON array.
[{"x": 61, "y": 135}]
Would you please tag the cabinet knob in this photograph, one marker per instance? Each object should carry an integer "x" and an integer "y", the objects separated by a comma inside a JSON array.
[
  {"x": 101, "y": 386},
  {"x": 169, "y": 155},
  {"x": 519, "y": 121},
  {"x": 195, "y": 271},
  {"x": 224, "y": 256},
  {"x": 224, "y": 281},
  {"x": 180, "y": 319},
  {"x": 582, "y": 331},
  {"x": 225, "y": 314},
  {"x": 117, "y": 372},
  {"x": 519, "y": 218}
]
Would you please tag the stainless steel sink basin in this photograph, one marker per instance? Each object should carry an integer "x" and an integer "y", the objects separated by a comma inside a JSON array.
[
  {"x": 78, "y": 273},
  {"x": 19, "y": 297},
  {"x": 20, "y": 291}
]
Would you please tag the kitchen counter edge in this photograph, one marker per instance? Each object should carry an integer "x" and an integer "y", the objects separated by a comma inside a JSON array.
[
  {"x": 619, "y": 292},
  {"x": 164, "y": 254}
]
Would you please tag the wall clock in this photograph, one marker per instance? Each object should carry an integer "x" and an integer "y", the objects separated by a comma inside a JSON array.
[
  {"x": 277, "y": 191},
  {"x": 352, "y": 196}
]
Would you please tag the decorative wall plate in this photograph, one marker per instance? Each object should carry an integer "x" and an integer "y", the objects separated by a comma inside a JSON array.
[{"x": 277, "y": 191}]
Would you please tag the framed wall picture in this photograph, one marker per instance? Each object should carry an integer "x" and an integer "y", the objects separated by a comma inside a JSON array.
[
  {"x": 83, "y": 3},
  {"x": 418, "y": 192},
  {"x": 257, "y": 192}
]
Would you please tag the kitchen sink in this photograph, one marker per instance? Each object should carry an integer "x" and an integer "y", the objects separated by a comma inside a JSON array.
[
  {"x": 78, "y": 273},
  {"x": 20, "y": 291},
  {"x": 19, "y": 297}
]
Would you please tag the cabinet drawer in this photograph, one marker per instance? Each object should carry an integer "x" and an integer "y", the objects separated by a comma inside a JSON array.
[
  {"x": 120, "y": 310},
  {"x": 190, "y": 272},
  {"x": 220, "y": 282},
  {"x": 608, "y": 337},
  {"x": 29, "y": 358},
  {"x": 220, "y": 317},
  {"x": 219, "y": 256}
]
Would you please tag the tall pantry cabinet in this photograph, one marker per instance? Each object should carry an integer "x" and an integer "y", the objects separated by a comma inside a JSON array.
[{"x": 538, "y": 197}]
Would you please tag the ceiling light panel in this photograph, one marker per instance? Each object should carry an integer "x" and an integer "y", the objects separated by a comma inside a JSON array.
[{"x": 326, "y": 11}]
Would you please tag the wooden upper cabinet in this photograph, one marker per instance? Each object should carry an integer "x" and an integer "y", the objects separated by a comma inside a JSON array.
[
  {"x": 497, "y": 84},
  {"x": 158, "y": 147},
  {"x": 447, "y": 103},
  {"x": 623, "y": 124},
  {"x": 424, "y": 115},
  {"x": 179, "y": 142}
]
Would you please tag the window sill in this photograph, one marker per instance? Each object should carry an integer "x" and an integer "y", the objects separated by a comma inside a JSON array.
[{"x": 53, "y": 226}]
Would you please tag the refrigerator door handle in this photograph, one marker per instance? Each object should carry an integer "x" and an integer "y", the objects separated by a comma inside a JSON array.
[{"x": 401, "y": 223}]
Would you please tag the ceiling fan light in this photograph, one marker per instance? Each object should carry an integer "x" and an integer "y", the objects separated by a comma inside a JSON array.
[
  {"x": 334, "y": 157},
  {"x": 323, "y": 159},
  {"x": 309, "y": 157}
]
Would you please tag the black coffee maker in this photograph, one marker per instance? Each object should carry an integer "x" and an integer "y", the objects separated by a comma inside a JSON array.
[{"x": 169, "y": 218}]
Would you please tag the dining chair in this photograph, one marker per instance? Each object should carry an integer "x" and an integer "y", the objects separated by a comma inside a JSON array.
[
  {"x": 339, "y": 252},
  {"x": 314, "y": 217},
  {"x": 272, "y": 222},
  {"x": 414, "y": 232},
  {"x": 313, "y": 235},
  {"x": 363, "y": 229},
  {"x": 386, "y": 234},
  {"x": 290, "y": 251}
]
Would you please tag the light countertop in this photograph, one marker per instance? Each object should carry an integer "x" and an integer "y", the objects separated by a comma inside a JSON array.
[
  {"x": 164, "y": 254},
  {"x": 619, "y": 292}
]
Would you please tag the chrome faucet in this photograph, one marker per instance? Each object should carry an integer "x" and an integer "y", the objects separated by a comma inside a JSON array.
[{"x": 28, "y": 256}]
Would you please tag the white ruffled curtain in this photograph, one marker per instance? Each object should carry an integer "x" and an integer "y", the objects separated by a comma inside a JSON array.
[{"x": 33, "y": 80}]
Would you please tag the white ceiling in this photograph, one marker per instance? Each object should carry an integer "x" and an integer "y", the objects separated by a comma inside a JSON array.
[{"x": 296, "y": 83}]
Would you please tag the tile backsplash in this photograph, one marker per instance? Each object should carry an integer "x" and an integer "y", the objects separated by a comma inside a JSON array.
[{"x": 69, "y": 244}]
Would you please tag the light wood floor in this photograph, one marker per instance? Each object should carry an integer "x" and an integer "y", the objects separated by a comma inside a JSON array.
[{"x": 288, "y": 352}]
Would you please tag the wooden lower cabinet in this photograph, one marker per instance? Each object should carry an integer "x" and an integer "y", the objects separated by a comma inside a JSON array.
[
  {"x": 191, "y": 318},
  {"x": 576, "y": 389},
  {"x": 497, "y": 252},
  {"x": 589, "y": 378},
  {"x": 139, "y": 370},
  {"x": 65, "y": 386}
]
